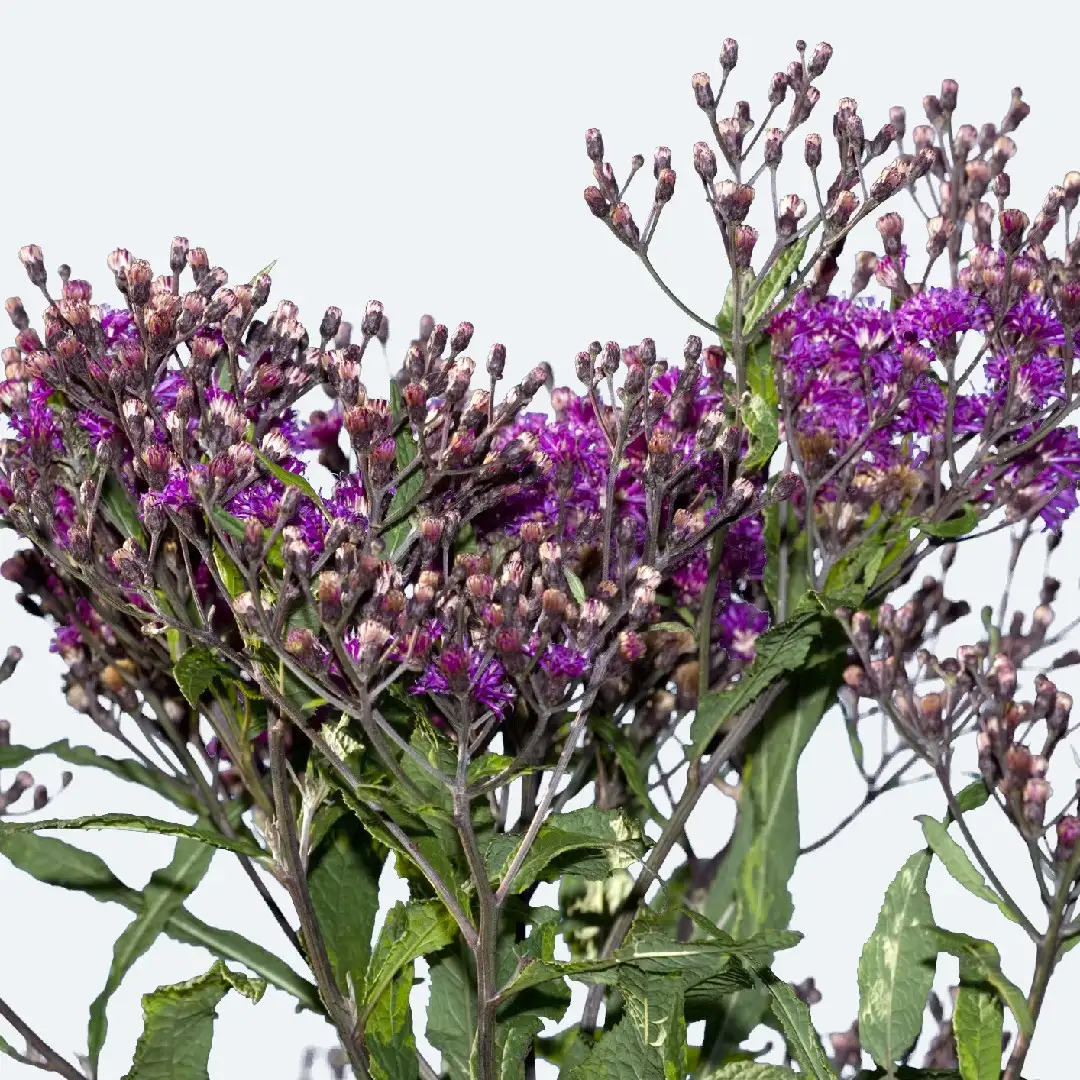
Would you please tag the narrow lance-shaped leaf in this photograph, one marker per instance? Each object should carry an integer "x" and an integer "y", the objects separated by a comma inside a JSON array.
[
  {"x": 291, "y": 479},
  {"x": 955, "y": 859},
  {"x": 136, "y": 823},
  {"x": 793, "y": 1016},
  {"x": 178, "y": 1025},
  {"x": 54, "y": 862},
  {"x": 896, "y": 969},
  {"x": 165, "y": 893},
  {"x": 774, "y": 281}
]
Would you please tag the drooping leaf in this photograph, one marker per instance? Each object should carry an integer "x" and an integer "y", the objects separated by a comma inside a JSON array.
[
  {"x": 773, "y": 283},
  {"x": 291, "y": 479},
  {"x": 411, "y": 930},
  {"x": 959, "y": 524},
  {"x": 136, "y": 823},
  {"x": 14, "y": 757},
  {"x": 451, "y": 1016},
  {"x": 762, "y": 900},
  {"x": 963, "y": 871},
  {"x": 196, "y": 670},
  {"x": 54, "y": 862},
  {"x": 178, "y": 1025},
  {"x": 983, "y": 965},
  {"x": 779, "y": 651},
  {"x": 588, "y": 842},
  {"x": 762, "y": 423},
  {"x": 977, "y": 1021},
  {"x": 896, "y": 969},
  {"x": 120, "y": 510},
  {"x": 343, "y": 879},
  {"x": 165, "y": 893}
]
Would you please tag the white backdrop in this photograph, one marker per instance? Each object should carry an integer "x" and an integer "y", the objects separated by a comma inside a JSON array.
[{"x": 431, "y": 156}]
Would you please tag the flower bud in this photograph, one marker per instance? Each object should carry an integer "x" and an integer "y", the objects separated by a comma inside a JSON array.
[
  {"x": 594, "y": 146},
  {"x": 703, "y": 91},
  {"x": 729, "y": 55},
  {"x": 812, "y": 150}
]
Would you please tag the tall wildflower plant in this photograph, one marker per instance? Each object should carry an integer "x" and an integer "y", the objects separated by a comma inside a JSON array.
[{"x": 525, "y": 629}]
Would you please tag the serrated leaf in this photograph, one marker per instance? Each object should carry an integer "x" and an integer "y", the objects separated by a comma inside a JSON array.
[
  {"x": 195, "y": 671},
  {"x": 137, "y": 823},
  {"x": 120, "y": 510},
  {"x": 295, "y": 480},
  {"x": 411, "y": 930},
  {"x": 388, "y": 1034},
  {"x": 773, "y": 282},
  {"x": 763, "y": 425},
  {"x": 977, "y": 1020},
  {"x": 56, "y": 863},
  {"x": 451, "y": 1016},
  {"x": 962, "y": 870},
  {"x": 588, "y": 842},
  {"x": 984, "y": 965},
  {"x": 178, "y": 1025},
  {"x": 960, "y": 524},
  {"x": 577, "y": 589},
  {"x": 725, "y": 319},
  {"x": 896, "y": 968},
  {"x": 778, "y": 651},
  {"x": 14, "y": 757},
  {"x": 799, "y": 1034},
  {"x": 164, "y": 894},
  {"x": 343, "y": 879},
  {"x": 759, "y": 372}
]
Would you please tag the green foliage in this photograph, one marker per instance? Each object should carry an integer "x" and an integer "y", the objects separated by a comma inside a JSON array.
[
  {"x": 588, "y": 842},
  {"x": 196, "y": 671},
  {"x": 14, "y": 757},
  {"x": 896, "y": 969},
  {"x": 120, "y": 510},
  {"x": 779, "y": 651},
  {"x": 793, "y": 1016},
  {"x": 960, "y": 524},
  {"x": 343, "y": 880},
  {"x": 178, "y": 1025},
  {"x": 977, "y": 1020},
  {"x": 750, "y": 1070},
  {"x": 165, "y": 893},
  {"x": 137, "y": 823},
  {"x": 773, "y": 282},
  {"x": 963, "y": 871},
  {"x": 577, "y": 589},
  {"x": 761, "y": 420},
  {"x": 763, "y": 858},
  {"x": 54, "y": 862},
  {"x": 982, "y": 964},
  {"x": 451, "y": 1019},
  {"x": 291, "y": 479},
  {"x": 409, "y": 490}
]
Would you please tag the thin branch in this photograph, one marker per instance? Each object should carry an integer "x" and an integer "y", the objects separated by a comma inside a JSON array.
[{"x": 51, "y": 1061}]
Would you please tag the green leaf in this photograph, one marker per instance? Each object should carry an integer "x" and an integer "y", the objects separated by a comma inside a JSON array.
[
  {"x": 234, "y": 527},
  {"x": 725, "y": 320},
  {"x": 451, "y": 1017},
  {"x": 896, "y": 969},
  {"x": 166, "y": 892},
  {"x": 195, "y": 671},
  {"x": 343, "y": 878},
  {"x": 53, "y": 862},
  {"x": 769, "y": 784},
  {"x": 773, "y": 283},
  {"x": 779, "y": 651},
  {"x": 120, "y": 510},
  {"x": 291, "y": 479},
  {"x": 407, "y": 450},
  {"x": 977, "y": 1020},
  {"x": 136, "y": 823},
  {"x": 231, "y": 577},
  {"x": 983, "y": 964},
  {"x": 178, "y": 1025},
  {"x": 759, "y": 372},
  {"x": 389, "y": 1036},
  {"x": 265, "y": 270},
  {"x": 960, "y": 524},
  {"x": 955, "y": 859},
  {"x": 799, "y": 1034},
  {"x": 750, "y": 1070},
  {"x": 630, "y": 762},
  {"x": 588, "y": 842},
  {"x": 410, "y": 931},
  {"x": 577, "y": 589},
  {"x": 763, "y": 425},
  {"x": 13, "y": 757},
  {"x": 973, "y": 796}
]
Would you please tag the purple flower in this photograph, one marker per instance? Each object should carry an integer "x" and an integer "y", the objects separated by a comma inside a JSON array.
[
  {"x": 937, "y": 314},
  {"x": 739, "y": 626},
  {"x": 469, "y": 673},
  {"x": 564, "y": 662},
  {"x": 118, "y": 325},
  {"x": 98, "y": 429}
]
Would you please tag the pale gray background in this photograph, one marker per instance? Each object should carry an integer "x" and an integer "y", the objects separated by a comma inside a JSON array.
[{"x": 431, "y": 156}]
